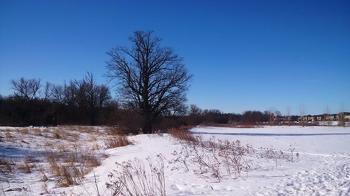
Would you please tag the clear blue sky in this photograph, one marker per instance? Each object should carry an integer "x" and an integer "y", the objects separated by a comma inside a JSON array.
[{"x": 243, "y": 54}]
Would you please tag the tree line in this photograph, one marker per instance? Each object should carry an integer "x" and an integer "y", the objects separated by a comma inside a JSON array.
[
  {"x": 76, "y": 102},
  {"x": 84, "y": 102}
]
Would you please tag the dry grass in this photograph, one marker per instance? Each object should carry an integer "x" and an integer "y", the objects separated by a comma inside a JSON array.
[
  {"x": 183, "y": 134},
  {"x": 57, "y": 134},
  {"x": 114, "y": 130},
  {"x": 25, "y": 167},
  {"x": 24, "y": 130},
  {"x": 65, "y": 175},
  {"x": 67, "y": 160},
  {"x": 95, "y": 146},
  {"x": 6, "y": 166},
  {"x": 54, "y": 166},
  {"x": 69, "y": 168},
  {"x": 117, "y": 141},
  {"x": 91, "y": 161},
  {"x": 134, "y": 178},
  {"x": 82, "y": 129},
  {"x": 38, "y": 132}
]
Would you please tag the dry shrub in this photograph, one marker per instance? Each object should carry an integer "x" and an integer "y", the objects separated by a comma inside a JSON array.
[
  {"x": 117, "y": 141},
  {"x": 182, "y": 134},
  {"x": 134, "y": 178},
  {"x": 215, "y": 158},
  {"x": 269, "y": 153}
]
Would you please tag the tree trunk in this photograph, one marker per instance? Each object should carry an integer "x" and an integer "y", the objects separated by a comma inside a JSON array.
[{"x": 147, "y": 124}]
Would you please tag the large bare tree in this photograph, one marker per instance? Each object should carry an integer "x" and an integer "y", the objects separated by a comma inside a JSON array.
[{"x": 150, "y": 78}]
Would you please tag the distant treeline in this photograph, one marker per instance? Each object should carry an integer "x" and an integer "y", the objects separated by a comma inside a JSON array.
[{"x": 84, "y": 102}]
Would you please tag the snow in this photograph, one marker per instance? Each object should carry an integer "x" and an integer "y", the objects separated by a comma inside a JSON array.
[
  {"x": 314, "y": 140},
  {"x": 322, "y": 168}
]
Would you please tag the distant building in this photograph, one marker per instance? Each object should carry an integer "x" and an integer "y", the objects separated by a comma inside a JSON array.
[
  {"x": 319, "y": 118},
  {"x": 331, "y": 117},
  {"x": 344, "y": 115},
  {"x": 347, "y": 117}
]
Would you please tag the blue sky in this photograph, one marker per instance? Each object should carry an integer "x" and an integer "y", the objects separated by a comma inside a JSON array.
[{"x": 243, "y": 54}]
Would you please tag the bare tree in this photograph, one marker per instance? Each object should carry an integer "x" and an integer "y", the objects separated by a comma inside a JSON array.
[
  {"x": 103, "y": 95},
  {"x": 195, "y": 110},
  {"x": 48, "y": 90},
  {"x": 26, "y": 88},
  {"x": 151, "y": 78},
  {"x": 57, "y": 93}
]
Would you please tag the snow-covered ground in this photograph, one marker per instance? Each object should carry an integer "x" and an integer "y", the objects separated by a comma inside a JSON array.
[{"x": 322, "y": 166}]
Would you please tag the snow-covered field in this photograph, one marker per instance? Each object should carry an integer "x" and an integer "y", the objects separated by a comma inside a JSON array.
[{"x": 320, "y": 163}]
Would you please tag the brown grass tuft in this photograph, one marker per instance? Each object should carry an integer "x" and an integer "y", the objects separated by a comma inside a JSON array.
[
  {"x": 183, "y": 134},
  {"x": 117, "y": 141}
]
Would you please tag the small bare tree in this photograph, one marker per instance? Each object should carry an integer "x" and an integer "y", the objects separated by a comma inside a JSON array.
[
  {"x": 26, "y": 88},
  {"x": 151, "y": 78}
]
